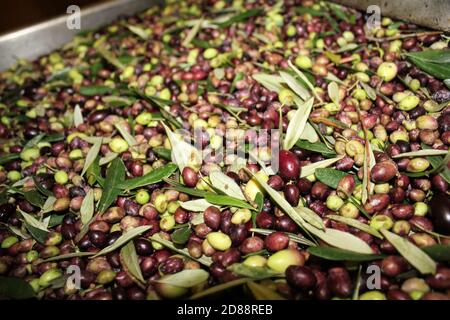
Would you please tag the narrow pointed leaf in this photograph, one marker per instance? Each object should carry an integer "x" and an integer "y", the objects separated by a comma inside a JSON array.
[
  {"x": 155, "y": 176},
  {"x": 130, "y": 260},
  {"x": 125, "y": 134},
  {"x": 336, "y": 254},
  {"x": 77, "y": 116},
  {"x": 221, "y": 200},
  {"x": 87, "y": 207},
  {"x": 356, "y": 224},
  {"x": 297, "y": 124},
  {"x": 261, "y": 292},
  {"x": 123, "y": 239},
  {"x": 115, "y": 174},
  {"x": 311, "y": 168},
  {"x": 92, "y": 155},
  {"x": 198, "y": 205},
  {"x": 186, "y": 279},
  {"x": 226, "y": 184},
  {"x": 295, "y": 85}
]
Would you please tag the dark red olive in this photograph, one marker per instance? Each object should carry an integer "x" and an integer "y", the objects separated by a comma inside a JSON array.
[
  {"x": 172, "y": 265},
  {"x": 397, "y": 294},
  {"x": 383, "y": 171},
  {"x": 440, "y": 213},
  {"x": 238, "y": 233},
  {"x": 212, "y": 217},
  {"x": 289, "y": 165},
  {"x": 276, "y": 182},
  {"x": 393, "y": 265},
  {"x": 300, "y": 277},
  {"x": 292, "y": 194},
  {"x": 97, "y": 238},
  {"x": 143, "y": 247},
  {"x": 276, "y": 241},
  {"x": 339, "y": 282},
  {"x": 190, "y": 177},
  {"x": 251, "y": 245}
]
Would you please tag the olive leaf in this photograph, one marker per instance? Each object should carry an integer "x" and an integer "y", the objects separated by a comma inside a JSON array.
[
  {"x": 219, "y": 288},
  {"x": 163, "y": 153},
  {"x": 295, "y": 85},
  {"x": 433, "y": 62},
  {"x": 198, "y": 205},
  {"x": 32, "y": 221},
  {"x": 110, "y": 156},
  {"x": 270, "y": 82},
  {"x": 369, "y": 163},
  {"x": 299, "y": 216},
  {"x": 130, "y": 261},
  {"x": 304, "y": 79},
  {"x": 115, "y": 174},
  {"x": 421, "y": 153},
  {"x": 447, "y": 83},
  {"x": 330, "y": 177},
  {"x": 371, "y": 93},
  {"x": 438, "y": 252},
  {"x": 333, "y": 92},
  {"x": 48, "y": 205},
  {"x": 35, "y": 198},
  {"x": 311, "y": 168},
  {"x": 187, "y": 278},
  {"x": 240, "y": 17},
  {"x": 222, "y": 200},
  {"x": 181, "y": 188},
  {"x": 336, "y": 254},
  {"x": 77, "y": 116},
  {"x": 340, "y": 239},
  {"x": 116, "y": 101},
  {"x": 94, "y": 90},
  {"x": 9, "y": 157},
  {"x": 15, "y": 288},
  {"x": 257, "y": 273},
  {"x": 108, "y": 56},
  {"x": 297, "y": 124},
  {"x": 140, "y": 32},
  {"x": 38, "y": 234},
  {"x": 181, "y": 235},
  {"x": 192, "y": 33},
  {"x": 416, "y": 257},
  {"x": 227, "y": 185},
  {"x": 125, "y": 134},
  {"x": 318, "y": 147},
  {"x": 291, "y": 236},
  {"x": 206, "y": 261},
  {"x": 183, "y": 153},
  {"x": 123, "y": 239},
  {"x": 68, "y": 256},
  {"x": 261, "y": 292},
  {"x": 152, "y": 177},
  {"x": 92, "y": 155},
  {"x": 356, "y": 224},
  {"x": 87, "y": 207}
]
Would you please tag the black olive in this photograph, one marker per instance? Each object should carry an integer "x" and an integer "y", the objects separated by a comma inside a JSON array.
[{"x": 440, "y": 213}]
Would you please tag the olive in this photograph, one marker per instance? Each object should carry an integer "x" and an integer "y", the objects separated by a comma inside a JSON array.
[
  {"x": 440, "y": 213},
  {"x": 289, "y": 165}
]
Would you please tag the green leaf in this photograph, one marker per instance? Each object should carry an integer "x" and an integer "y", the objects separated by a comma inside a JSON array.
[
  {"x": 155, "y": 176},
  {"x": 77, "y": 116},
  {"x": 291, "y": 236},
  {"x": 95, "y": 90},
  {"x": 311, "y": 168},
  {"x": 15, "y": 288},
  {"x": 356, "y": 224},
  {"x": 9, "y": 157},
  {"x": 117, "y": 101},
  {"x": 297, "y": 124},
  {"x": 92, "y": 155},
  {"x": 318, "y": 147},
  {"x": 333, "y": 92},
  {"x": 163, "y": 153},
  {"x": 296, "y": 86},
  {"x": 33, "y": 142},
  {"x": 305, "y": 79},
  {"x": 271, "y": 82},
  {"x": 115, "y": 174},
  {"x": 371, "y": 93},
  {"x": 198, "y": 205},
  {"x": 37, "y": 234},
  {"x": 435, "y": 56},
  {"x": 219, "y": 288},
  {"x": 206, "y": 261},
  {"x": 341, "y": 239},
  {"x": 416, "y": 257},
  {"x": 55, "y": 220},
  {"x": 225, "y": 184},
  {"x": 111, "y": 58},
  {"x": 130, "y": 261},
  {"x": 68, "y": 256},
  {"x": 187, "y": 278},
  {"x": 421, "y": 153},
  {"x": 35, "y": 198},
  {"x": 337, "y": 254},
  {"x": 257, "y": 273},
  {"x": 123, "y": 239},
  {"x": 192, "y": 33},
  {"x": 110, "y": 156},
  {"x": 261, "y": 292},
  {"x": 330, "y": 177},
  {"x": 438, "y": 252},
  {"x": 299, "y": 216},
  {"x": 181, "y": 235},
  {"x": 140, "y": 32},
  {"x": 125, "y": 134},
  {"x": 181, "y": 188},
  {"x": 222, "y": 200},
  {"x": 87, "y": 207},
  {"x": 32, "y": 221},
  {"x": 241, "y": 17}
]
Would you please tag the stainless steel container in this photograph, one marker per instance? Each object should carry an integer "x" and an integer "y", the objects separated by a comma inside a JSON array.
[{"x": 43, "y": 38}]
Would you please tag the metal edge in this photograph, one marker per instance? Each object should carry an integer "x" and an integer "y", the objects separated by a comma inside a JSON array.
[{"x": 39, "y": 39}]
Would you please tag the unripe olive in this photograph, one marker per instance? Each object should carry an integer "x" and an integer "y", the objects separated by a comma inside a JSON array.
[
  {"x": 219, "y": 241},
  {"x": 387, "y": 71},
  {"x": 281, "y": 260}
]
